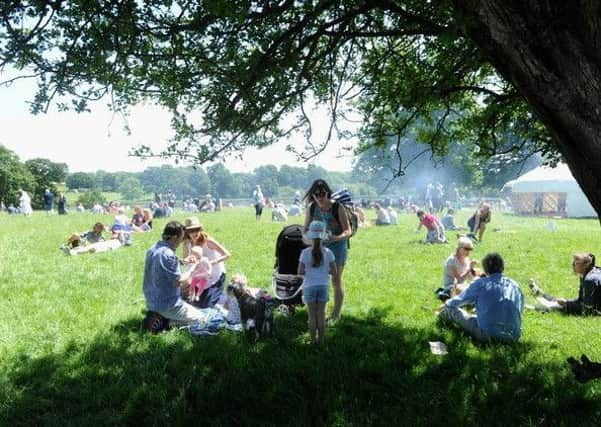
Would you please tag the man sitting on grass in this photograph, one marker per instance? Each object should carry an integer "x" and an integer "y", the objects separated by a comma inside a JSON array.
[
  {"x": 499, "y": 305},
  {"x": 163, "y": 280}
]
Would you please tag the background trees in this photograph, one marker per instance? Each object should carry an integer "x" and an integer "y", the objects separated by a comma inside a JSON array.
[
  {"x": 14, "y": 176},
  {"x": 492, "y": 74}
]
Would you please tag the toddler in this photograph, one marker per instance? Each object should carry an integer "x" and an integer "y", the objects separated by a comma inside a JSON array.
[{"x": 200, "y": 275}]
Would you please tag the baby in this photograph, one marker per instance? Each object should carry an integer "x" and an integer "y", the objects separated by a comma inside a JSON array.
[{"x": 200, "y": 275}]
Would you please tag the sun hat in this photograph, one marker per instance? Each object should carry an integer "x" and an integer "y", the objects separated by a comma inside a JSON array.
[
  {"x": 192, "y": 223},
  {"x": 317, "y": 230}
]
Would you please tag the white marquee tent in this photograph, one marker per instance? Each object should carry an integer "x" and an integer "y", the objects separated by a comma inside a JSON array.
[{"x": 549, "y": 191}]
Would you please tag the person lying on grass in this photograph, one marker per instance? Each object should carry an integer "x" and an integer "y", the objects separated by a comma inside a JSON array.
[
  {"x": 163, "y": 279},
  {"x": 498, "y": 301},
  {"x": 589, "y": 294},
  {"x": 90, "y": 241}
]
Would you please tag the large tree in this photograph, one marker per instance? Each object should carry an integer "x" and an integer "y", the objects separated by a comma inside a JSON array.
[
  {"x": 14, "y": 176},
  {"x": 504, "y": 75}
]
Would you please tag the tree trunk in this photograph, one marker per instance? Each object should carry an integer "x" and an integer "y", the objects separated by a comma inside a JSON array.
[{"x": 551, "y": 52}]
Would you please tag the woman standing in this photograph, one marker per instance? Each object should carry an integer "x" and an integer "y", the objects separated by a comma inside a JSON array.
[
  {"x": 62, "y": 204},
  {"x": 322, "y": 208},
  {"x": 258, "y": 201},
  {"x": 217, "y": 255},
  {"x": 25, "y": 203}
]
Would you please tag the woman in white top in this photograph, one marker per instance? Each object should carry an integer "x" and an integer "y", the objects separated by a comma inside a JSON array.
[
  {"x": 458, "y": 268},
  {"x": 217, "y": 255},
  {"x": 25, "y": 203}
]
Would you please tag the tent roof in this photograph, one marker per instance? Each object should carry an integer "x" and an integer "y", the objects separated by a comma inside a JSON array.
[
  {"x": 545, "y": 179},
  {"x": 545, "y": 173}
]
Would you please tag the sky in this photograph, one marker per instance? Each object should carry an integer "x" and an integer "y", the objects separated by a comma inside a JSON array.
[{"x": 88, "y": 142}]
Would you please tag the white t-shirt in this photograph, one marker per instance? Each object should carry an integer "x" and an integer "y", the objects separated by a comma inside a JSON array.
[
  {"x": 316, "y": 276},
  {"x": 452, "y": 261},
  {"x": 383, "y": 217}
]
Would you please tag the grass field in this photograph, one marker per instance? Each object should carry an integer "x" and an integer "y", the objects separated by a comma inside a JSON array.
[{"x": 72, "y": 353}]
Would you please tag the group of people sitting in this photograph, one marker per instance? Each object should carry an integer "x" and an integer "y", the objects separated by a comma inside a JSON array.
[
  {"x": 183, "y": 290},
  {"x": 496, "y": 302}
]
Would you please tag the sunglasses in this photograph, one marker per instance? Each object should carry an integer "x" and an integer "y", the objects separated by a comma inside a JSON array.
[
  {"x": 469, "y": 249},
  {"x": 320, "y": 194}
]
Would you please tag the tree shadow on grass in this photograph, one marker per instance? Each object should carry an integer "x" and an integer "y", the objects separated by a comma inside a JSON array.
[{"x": 369, "y": 372}]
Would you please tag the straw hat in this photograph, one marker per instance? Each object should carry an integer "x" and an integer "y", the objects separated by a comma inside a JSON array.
[{"x": 192, "y": 223}]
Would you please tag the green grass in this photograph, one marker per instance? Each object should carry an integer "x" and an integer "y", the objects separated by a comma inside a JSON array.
[{"x": 72, "y": 353}]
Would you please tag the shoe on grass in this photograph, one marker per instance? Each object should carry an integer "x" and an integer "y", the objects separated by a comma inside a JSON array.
[{"x": 536, "y": 291}]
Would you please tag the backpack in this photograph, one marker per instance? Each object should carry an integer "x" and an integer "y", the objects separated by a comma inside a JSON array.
[
  {"x": 343, "y": 198},
  {"x": 350, "y": 214}
]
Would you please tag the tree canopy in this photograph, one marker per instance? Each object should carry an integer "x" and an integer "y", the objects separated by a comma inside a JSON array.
[{"x": 496, "y": 75}]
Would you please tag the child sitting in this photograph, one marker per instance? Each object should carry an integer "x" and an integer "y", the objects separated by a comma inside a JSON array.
[
  {"x": 448, "y": 221},
  {"x": 200, "y": 275}
]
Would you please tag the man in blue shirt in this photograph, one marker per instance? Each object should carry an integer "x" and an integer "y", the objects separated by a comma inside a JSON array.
[
  {"x": 499, "y": 305},
  {"x": 163, "y": 279}
]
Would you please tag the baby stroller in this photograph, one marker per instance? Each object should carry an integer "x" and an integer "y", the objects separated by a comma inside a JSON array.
[{"x": 286, "y": 283}]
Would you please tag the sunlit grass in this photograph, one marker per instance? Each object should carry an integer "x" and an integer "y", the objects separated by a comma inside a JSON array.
[{"x": 71, "y": 350}]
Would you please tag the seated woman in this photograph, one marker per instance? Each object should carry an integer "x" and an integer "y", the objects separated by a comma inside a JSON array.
[
  {"x": 217, "y": 255},
  {"x": 589, "y": 294},
  {"x": 394, "y": 217},
  {"x": 137, "y": 218},
  {"x": 147, "y": 213},
  {"x": 477, "y": 222},
  {"x": 435, "y": 228},
  {"x": 459, "y": 270},
  {"x": 141, "y": 220},
  {"x": 382, "y": 217}
]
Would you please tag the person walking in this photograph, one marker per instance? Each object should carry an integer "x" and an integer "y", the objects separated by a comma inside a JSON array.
[
  {"x": 258, "y": 201},
  {"x": 48, "y": 200}
]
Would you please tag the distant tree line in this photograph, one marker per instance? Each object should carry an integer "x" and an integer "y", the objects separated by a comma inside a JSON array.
[{"x": 373, "y": 174}]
